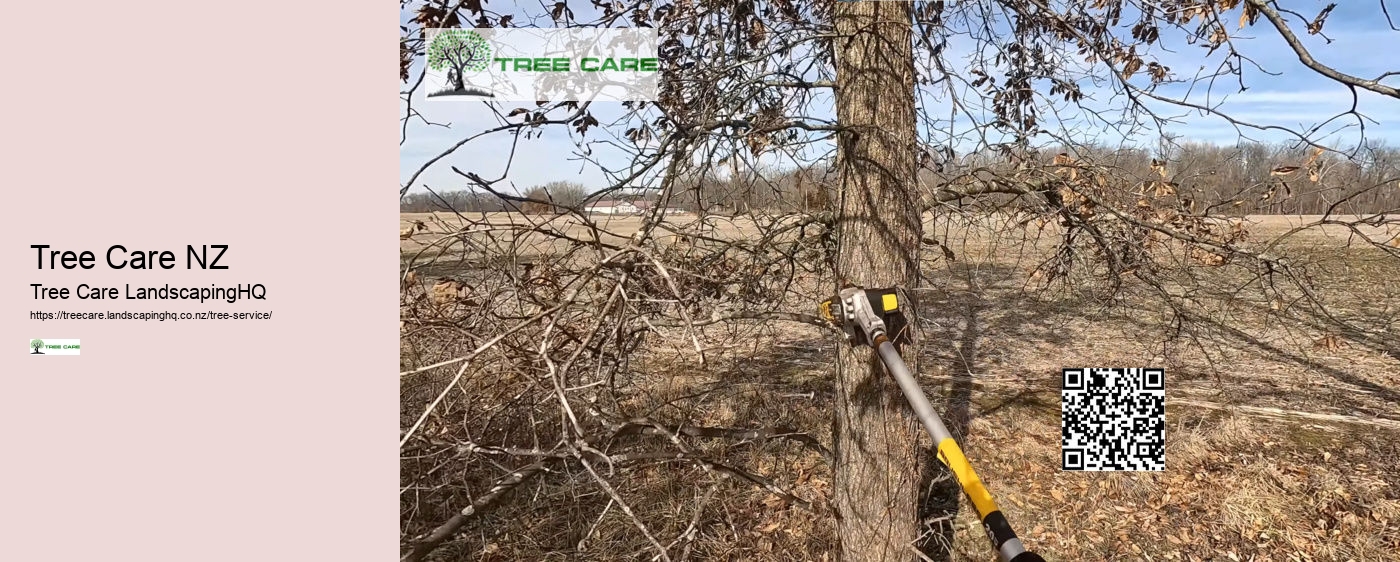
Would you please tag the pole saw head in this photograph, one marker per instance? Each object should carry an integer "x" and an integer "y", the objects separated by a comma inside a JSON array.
[{"x": 864, "y": 314}]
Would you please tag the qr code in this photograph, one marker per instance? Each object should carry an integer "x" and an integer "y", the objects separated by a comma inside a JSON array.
[{"x": 1113, "y": 419}]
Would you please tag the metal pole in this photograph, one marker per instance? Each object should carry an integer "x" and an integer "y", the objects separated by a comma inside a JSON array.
[
  {"x": 854, "y": 309},
  {"x": 1004, "y": 540}
]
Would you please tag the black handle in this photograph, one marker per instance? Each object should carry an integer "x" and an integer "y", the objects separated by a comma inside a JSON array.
[{"x": 1027, "y": 557}]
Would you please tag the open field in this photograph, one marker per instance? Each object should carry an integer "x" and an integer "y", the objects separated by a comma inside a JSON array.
[
  {"x": 618, "y": 228},
  {"x": 1283, "y": 436}
]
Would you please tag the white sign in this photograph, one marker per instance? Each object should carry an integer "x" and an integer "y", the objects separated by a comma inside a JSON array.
[
  {"x": 48, "y": 346},
  {"x": 541, "y": 64}
]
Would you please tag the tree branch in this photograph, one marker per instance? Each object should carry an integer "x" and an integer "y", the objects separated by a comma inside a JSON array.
[
  {"x": 481, "y": 505},
  {"x": 1303, "y": 55}
]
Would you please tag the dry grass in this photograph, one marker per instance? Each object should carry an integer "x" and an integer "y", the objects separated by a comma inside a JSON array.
[{"x": 1277, "y": 448}]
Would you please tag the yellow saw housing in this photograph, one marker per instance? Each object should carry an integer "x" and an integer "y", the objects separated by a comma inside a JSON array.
[{"x": 884, "y": 301}]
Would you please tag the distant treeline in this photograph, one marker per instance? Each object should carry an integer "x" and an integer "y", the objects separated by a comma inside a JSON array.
[{"x": 1251, "y": 178}]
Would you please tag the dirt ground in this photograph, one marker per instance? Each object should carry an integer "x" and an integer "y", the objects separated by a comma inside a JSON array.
[{"x": 1283, "y": 437}]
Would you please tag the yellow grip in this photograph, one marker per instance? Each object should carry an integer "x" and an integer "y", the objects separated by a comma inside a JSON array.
[{"x": 952, "y": 456}]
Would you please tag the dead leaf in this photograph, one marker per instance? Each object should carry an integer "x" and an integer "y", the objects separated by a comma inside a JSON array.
[
  {"x": 1315, "y": 26},
  {"x": 1283, "y": 170},
  {"x": 1330, "y": 342},
  {"x": 1316, "y": 153},
  {"x": 448, "y": 290},
  {"x": 1249, "y": 16},
  {"x": 1159, "y": 167},
  {"x": 1132, "y": 66},
  {"x": 1058, "y": 495},
  {"x": 1207, "y": 257}
]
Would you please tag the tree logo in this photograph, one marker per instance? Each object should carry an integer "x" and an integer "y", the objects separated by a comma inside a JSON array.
[
  {"x": 52, "y": 347},
  {"x": 459, "y": 51}
]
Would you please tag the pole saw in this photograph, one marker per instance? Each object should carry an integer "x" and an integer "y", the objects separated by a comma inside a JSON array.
[{"x": 863, "y": 315}]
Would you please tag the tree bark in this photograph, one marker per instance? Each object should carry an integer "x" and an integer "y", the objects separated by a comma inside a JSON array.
[{"x": 877, "y": 468}]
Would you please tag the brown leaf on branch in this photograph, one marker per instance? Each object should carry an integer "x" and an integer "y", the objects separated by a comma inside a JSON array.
[
  {"x": 757, "y": 34},
  {"x": 431, "y": 16},
  {"x": 1238, "y": 230},
  {"x": 1315, "y": 26},
  {"x": 560, "y": 10},
  {"x": 1134, "y": 63},
  {"x": 1207, "y": 257},
  {"x": 1283, "y": 170},
  {"x": 1218, "y": 37},
  {"x": 1315, "y": 155},
  {"x": 1249, "y": 15},
  {"x": 1158, "y": 72}
]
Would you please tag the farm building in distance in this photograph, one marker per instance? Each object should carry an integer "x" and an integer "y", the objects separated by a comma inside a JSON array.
[
  {"x": 622, "y": 207},
  {"x": 644, "y": 206},
  {"x": 612, "y": 207}
]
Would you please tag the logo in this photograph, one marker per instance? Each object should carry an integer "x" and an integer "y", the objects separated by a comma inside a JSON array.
[
  {"x": 529, "y": 64},
  {"x": 53, "y": 347},
  {"x": 458, "y": 52}
]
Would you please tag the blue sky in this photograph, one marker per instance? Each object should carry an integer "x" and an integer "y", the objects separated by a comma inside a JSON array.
[{"x": 1287, "y": 95}]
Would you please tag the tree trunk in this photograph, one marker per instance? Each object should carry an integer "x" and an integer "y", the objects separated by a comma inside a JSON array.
[
  {"x": 877, "y": 469},
  {"x": 458, "y": 82}
]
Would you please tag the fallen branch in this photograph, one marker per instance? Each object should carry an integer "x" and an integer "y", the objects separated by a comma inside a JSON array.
[
  {"x": 1280, "y": 413},
  {"x": 647, "y": 427},
  {"x": 481, "y": 505}
]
